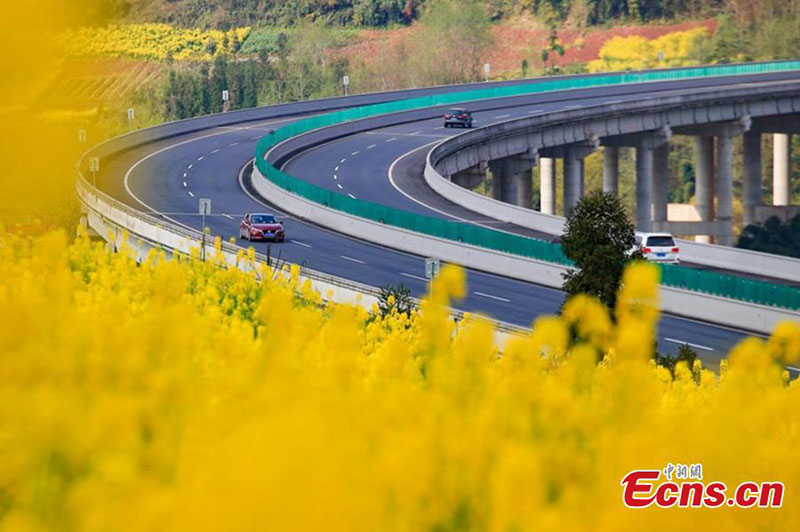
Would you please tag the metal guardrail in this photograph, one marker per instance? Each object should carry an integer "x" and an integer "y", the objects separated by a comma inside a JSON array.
[{"x": 731, "y": 287}]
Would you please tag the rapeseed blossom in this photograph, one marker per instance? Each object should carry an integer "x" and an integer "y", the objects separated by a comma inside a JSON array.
[{"x": 180, "y": 395}]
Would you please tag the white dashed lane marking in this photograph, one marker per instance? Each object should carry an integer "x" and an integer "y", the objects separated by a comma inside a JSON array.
[
  {"x": 301, "y": 243},
  {"x": 391, "y": 139},
  {"x": 490, "y": 296},
  {"x": 190, "y": 166},
  {"x": 215, "y": 151},
  {"x": 233, "y": 144},
  {"x": 417, "y": 277},
  {"x": 228, "y": 216},
  {"x": 343, "y": 160},
  {"x": 371, "y": 146},
  {"x": 351, "y": 259},
  {"x": 192, "y": 195},
  {"x": 200, "y": 158},
  {"x": 681, "y": 342},
  {"x": 502, "y": 116},
  {"x": 354, "y": 153},
  {"x": 351, "y": 196},
  {"x": 184, "y": 183},
  {"x": 338, "y": 185}
]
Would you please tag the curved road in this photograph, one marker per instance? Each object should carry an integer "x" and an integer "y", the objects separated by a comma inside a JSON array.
[{"x": 170, "y": 175}]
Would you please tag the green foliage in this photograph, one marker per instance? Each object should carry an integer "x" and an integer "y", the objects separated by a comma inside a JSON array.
[
  {"x": 224, "y": 14},
  {"x": 274, "y": 39},
  {"x": 395, "y": 298},
  {"x": 456, "y": 35},
  {"x": 685, "y": 354},
  {"x": 684, "y": 191},
  {"x": 774, "y": 236},
  {"x": 598, "y": 237}
]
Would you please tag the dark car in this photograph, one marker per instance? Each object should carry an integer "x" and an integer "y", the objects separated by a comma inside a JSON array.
[
  {"x": 458, "y": 117},
  {"x": 261, "y": 227}
]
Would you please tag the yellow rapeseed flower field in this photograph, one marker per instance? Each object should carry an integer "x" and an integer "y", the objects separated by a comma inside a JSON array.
[
  {"x": 178, "y": 395},
  {"x": 675, "y": 49},
  {"x": 150, "y": 41}
]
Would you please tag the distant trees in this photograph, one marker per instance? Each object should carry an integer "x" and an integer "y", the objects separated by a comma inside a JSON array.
[
  {"x": 774, "y": 236},
  {"x": 226, "y": 14},
  {"x": 453, "y": 41}
]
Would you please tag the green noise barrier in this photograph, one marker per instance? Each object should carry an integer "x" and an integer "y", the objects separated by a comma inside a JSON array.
[{"x": 727, "y": 286}]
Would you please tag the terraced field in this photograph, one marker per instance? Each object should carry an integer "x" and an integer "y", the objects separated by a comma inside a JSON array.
[{"x": 91, "y": 82}]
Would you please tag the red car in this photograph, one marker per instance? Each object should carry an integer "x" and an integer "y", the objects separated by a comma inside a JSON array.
[{"x": 261, "y": 227}]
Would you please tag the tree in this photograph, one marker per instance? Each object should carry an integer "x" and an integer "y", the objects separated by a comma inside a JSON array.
[
  {"x": 773, "y": 236},
  {"x": 685, "y": 354},
  {"x": 395, "y": 297},
  {"x": 219, "y": 82},
  {"x": 453, "y": 42},
  {"x": 599, "y": 238}
]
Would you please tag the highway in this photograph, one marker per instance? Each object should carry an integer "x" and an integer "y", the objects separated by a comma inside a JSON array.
[{"x": 170, "y": 175}]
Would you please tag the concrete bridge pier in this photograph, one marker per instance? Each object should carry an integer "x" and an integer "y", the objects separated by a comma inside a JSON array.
[
  {"x": 646, "y": 143},
  {"x": 471, "y": 177},
  {"x": 660, "y": 186},
  {"x": 725, "y": 189},
  {"x": 512, "y": 179},
  {"x": 611, "y": 169},
  {"x": 781, "y": 169},
  {"x": 716, "y": 179},
  {"x": 704, "y": 182},
  {"x": 547, "y": 185},
  {"x": 573, "y": 174},
  {"x": 751, "y": 179}
]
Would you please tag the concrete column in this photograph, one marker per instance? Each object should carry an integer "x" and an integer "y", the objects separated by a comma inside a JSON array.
[
  {"x": 724, "y": 185},
  {"x": 660, "y": 185},
  {"x": 644, "y": 188},
  {"x": 547, "y": 185},
  {"x": 573, "y": 180},
  {"x": 781, "y": 165},
  {"x": 611, "y": 169},
  {"x": 508, "y": 185},
  {"x": 704, "y": 181},
  {"x": 751, "y": 183},
  {"x": 524, "y": 188}
]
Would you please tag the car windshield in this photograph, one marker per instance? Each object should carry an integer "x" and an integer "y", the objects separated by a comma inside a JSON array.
[
  {"x": 660, "y": 242},
  {"x": 263, "y": 219}
]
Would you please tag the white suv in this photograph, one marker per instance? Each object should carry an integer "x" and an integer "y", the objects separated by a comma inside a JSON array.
[{"x": 658, "y": 247}]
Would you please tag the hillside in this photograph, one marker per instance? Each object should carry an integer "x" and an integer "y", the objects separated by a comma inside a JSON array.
[{"x": 224, "y": 14}]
